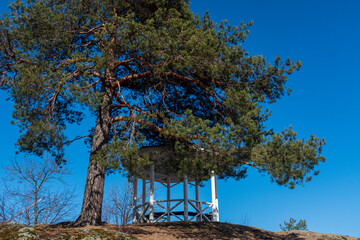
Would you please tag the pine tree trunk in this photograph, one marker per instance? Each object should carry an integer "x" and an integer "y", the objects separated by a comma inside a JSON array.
[{"x": 94, "y": 188}]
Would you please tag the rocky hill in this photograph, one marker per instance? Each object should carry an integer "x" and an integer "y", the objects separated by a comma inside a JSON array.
[{"x": 158, "y": 231}]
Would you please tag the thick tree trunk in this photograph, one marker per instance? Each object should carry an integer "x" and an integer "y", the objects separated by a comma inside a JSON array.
[{"x": 94, "y": 188}]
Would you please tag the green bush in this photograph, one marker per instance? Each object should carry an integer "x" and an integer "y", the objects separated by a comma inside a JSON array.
[{"x": 292, "y": 225}]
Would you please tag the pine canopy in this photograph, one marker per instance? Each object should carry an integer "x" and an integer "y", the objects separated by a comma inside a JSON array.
[{"x": 154, "y": 74}]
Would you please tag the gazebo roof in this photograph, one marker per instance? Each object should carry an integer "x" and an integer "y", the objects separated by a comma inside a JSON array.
[{"x": 161, "y": 156}]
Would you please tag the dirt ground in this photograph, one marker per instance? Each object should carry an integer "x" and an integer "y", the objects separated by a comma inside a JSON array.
[
  {"x": 157, "y": 231},
  {"x": 223, "y": 231},
  {"x": 203, "y": 231}
]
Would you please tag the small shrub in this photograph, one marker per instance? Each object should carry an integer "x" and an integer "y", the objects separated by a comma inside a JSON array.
[{"x": 292, "y": 225}]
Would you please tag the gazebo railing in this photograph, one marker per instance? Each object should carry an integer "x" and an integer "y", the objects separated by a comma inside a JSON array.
[{"x": 199, "y": 213}]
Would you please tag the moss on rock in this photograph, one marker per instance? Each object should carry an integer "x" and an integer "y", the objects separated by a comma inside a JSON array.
[{"x": 15, "y": 231}]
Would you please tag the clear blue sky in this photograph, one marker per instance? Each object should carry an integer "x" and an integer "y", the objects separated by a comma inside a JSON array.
[{"x": 325, "y": 36}]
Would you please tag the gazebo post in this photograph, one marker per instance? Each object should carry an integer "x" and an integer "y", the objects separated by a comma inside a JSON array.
[
  {"x": 143, "y": 197},
  {"x": 198, "y": 204},
  {"x": 152, "y": 188},
  {"x": 214, "y": 198},
  {"x": 134, "y": 200},
  {"x": 168, "y": 207},
  {"x": 186, "y": 199}
]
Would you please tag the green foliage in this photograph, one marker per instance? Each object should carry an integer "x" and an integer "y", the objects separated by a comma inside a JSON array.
[
  {"x": 292, "y": 225},
  {"x": 172, "y": 78}
]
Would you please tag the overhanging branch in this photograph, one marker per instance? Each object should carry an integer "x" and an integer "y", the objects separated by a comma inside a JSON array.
[{"x": 2, "y": 78}]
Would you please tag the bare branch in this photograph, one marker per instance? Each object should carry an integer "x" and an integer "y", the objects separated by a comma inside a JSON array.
[
  {"x": 118, "y": 204},
  {"x": 35, "y": 177}
]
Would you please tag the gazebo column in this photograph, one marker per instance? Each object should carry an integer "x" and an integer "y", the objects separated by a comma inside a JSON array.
[
  {"x": 152, "y": 188},
  {"x": 198, "y": 204},
  {"x": 134, "y": 200},
  {"x": 186, "y": 199},
  {"x": 214, "y": 198},
  {"x": 143, "y": 197},
  {"x": 168, "y": 206}
]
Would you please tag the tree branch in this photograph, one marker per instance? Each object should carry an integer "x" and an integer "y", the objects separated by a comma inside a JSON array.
[
  {"x": 123, "y": 63},
  {"x": 150, "y": 125},
  {"x": 2, "y": 78},
  {"x": 127, "y": 79},
  {"x": 76, "y": 138}
]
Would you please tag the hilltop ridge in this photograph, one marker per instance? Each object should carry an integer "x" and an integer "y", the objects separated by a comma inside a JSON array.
[{"x": 157, "y": 231}]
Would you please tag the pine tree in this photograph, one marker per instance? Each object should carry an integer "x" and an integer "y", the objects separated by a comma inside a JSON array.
[
  {"x": 292, "y": 225},
  {"x": 154, "y": 74}
]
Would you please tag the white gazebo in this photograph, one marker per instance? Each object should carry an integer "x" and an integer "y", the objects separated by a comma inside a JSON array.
[{"x": 148, "y": 209}]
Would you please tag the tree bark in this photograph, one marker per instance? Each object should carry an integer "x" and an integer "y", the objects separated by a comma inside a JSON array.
[{"x": 95, "y": 180}]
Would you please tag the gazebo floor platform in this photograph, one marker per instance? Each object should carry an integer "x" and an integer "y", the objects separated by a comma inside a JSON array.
[{"x": 178, "y": 213}]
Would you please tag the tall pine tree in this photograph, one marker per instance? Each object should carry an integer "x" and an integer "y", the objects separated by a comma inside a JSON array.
[{"x": 154, "y": 74}]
